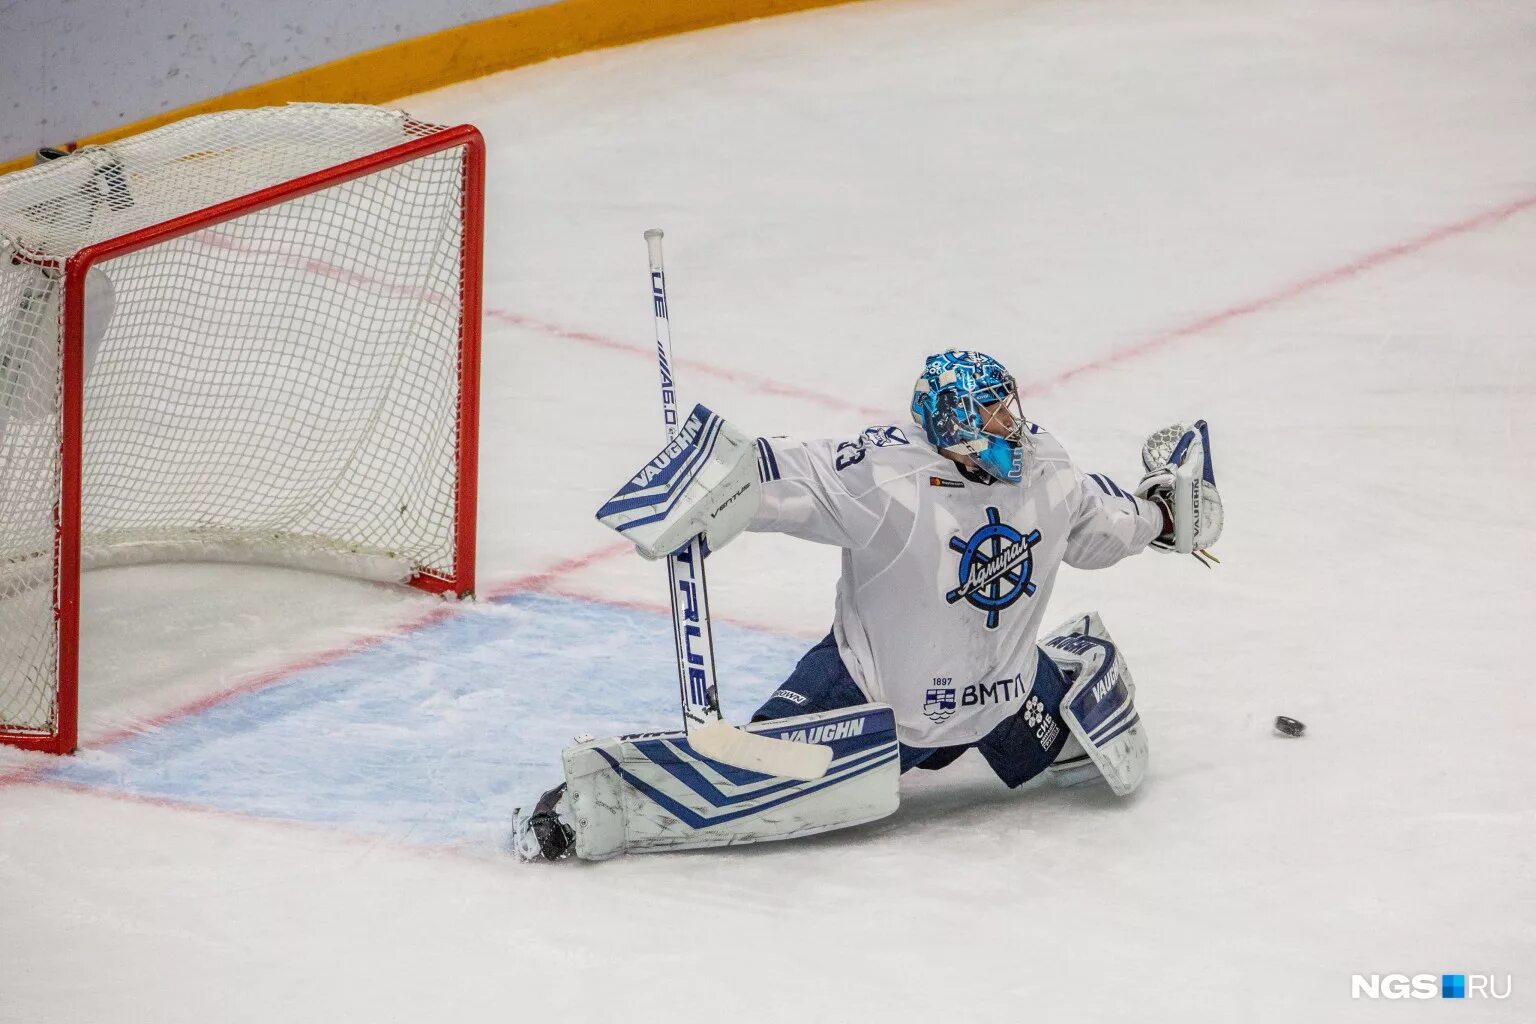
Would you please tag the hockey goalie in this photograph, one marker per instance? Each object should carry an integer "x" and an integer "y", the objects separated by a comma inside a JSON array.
[{"x": 952, "y": 536}]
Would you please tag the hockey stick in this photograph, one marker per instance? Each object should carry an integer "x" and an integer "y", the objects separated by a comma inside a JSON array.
[{"x": 708, "y": 732}]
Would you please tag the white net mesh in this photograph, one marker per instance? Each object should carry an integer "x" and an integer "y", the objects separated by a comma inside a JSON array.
[{"x": 282, "y": 386}]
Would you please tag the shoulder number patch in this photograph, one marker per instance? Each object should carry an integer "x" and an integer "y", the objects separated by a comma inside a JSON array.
[{"x": 851, "y": 453}]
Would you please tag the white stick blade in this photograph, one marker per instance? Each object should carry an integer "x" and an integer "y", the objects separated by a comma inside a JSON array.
[{"x": 720, "y": 741}]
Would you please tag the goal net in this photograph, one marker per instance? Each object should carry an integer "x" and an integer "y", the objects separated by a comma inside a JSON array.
[{"x": 250, "y": 336}]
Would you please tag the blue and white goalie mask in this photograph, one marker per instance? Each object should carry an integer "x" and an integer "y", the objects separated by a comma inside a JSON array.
[{"x": 968, "y": 405}]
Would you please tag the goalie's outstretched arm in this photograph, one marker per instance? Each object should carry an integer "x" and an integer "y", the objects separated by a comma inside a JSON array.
[
  {"x": 1110, "y": 523},
  {"x": 713, "y": 479}
]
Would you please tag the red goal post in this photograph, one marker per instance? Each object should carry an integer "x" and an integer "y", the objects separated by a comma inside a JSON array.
[{"x": 249, "y": 336}]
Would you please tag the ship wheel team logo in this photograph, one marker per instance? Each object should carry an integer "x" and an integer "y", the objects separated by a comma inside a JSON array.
[{"x": 995, "y": 566}]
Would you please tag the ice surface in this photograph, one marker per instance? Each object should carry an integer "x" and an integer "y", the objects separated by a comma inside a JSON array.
[
  {"x": 1312, "y": 223},
  {"x": 432, "y": 736}
]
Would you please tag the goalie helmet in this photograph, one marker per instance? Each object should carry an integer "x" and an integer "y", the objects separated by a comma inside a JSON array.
[{"x": 949, "y": 400}]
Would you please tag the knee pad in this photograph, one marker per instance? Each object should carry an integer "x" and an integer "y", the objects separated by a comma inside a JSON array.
[{"x": 1099, "y": 708}]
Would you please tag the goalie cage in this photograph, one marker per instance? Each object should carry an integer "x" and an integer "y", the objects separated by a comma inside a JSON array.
[{"x": 289, "y": 372}]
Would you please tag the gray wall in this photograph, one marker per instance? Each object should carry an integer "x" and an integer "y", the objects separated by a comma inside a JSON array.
[{"x": 71, "y": 68}]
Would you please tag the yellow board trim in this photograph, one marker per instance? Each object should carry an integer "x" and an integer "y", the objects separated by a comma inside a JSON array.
[{"x": 469, "y": 51}]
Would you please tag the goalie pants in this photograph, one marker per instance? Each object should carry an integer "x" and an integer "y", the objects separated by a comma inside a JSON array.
[{"x": 820, "y": 682}]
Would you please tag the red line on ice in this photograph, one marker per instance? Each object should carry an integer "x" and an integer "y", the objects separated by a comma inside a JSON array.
[
  {"x": 662, "y": 608},
  {"x": 532, "y": 581},
  {"x": 544, "y": 578},
  {"x": 1342, "y": 272},
  {"x": 1155, "y": 342},
  {"x": 271, "y": 677},
  {"x": 751, "y": 381},
  {"x": 332, "y": 832}
]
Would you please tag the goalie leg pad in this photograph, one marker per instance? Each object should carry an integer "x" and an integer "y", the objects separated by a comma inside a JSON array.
[
  {"x": 653, "y": 792},
  {"x": 1099, "y": 708}
]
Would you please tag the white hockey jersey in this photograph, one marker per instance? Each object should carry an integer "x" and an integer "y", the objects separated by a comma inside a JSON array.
[{"x": 945, "y": 575}]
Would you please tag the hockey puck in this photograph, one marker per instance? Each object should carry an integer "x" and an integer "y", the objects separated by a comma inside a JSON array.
[{"x": 1289, "y": 726}]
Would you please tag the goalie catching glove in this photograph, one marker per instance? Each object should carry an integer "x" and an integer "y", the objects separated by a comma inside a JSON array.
[
  {"x": 705, "y": 481},
  {"x": 1180, "y": 479}
]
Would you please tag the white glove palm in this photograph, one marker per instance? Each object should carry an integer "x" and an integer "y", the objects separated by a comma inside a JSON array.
[{"x": 1180, "y": 479}]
